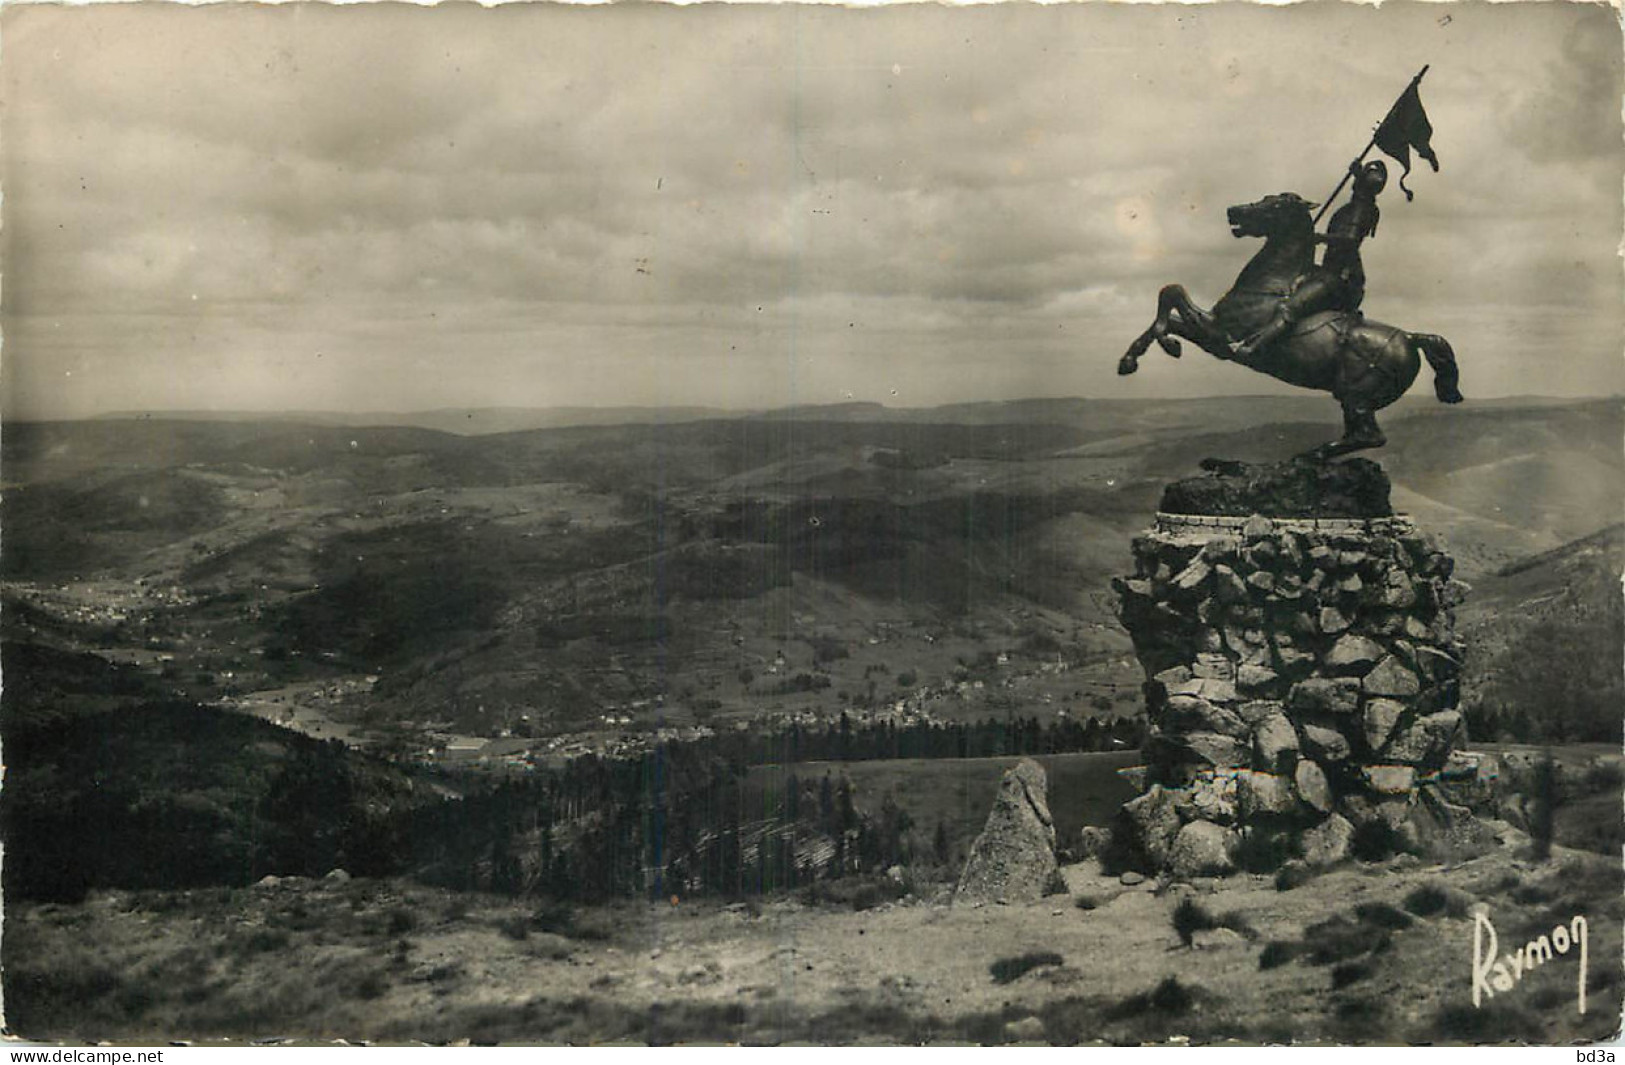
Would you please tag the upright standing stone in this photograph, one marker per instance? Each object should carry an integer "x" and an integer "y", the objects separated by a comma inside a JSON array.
[{"x": 1013, "y": 860}]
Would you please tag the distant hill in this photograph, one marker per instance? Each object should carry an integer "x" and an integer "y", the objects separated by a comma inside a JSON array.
[
  {"x": 463, "y": 421},
  {"x": 1546, "y": 640},
  {"x": 559, "y": 575}
]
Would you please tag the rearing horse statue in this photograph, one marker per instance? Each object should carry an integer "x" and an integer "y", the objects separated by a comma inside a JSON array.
[{"x": 1365, "y": 365}]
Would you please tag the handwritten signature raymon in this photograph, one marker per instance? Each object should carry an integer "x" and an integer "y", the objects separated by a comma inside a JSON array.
[{"x": 1496, "y": 975}]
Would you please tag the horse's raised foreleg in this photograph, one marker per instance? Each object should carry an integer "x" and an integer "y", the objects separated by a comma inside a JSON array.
[
  {"x": 1177, "y": 316},
  {"x": 1157, "y": 331},
  {"x": 1446, "y": 377}
]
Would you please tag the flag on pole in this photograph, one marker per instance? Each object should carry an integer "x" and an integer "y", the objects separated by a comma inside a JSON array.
[{"x": 1407, "y": 127}]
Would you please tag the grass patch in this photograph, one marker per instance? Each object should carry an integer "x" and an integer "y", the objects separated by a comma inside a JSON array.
[
  {"x": 572, "y": 922},
  {"x": 400, "y": 921},
  {"x": 859, "y": 893},
  {"x": 1008, "y": 970},
  {"x": 1506, "y": 1023}
]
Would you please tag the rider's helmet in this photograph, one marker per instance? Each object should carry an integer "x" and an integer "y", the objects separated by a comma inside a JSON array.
[{"x": 1372, "y": 178}]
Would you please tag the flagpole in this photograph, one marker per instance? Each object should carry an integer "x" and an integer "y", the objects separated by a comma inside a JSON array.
[{"x": 1324, "y": 207}]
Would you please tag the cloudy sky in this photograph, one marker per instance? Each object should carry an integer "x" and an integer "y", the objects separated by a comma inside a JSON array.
[{"x": 388, "y": 208}]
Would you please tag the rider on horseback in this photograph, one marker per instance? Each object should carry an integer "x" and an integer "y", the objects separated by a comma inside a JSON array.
[{"x": 1338, "y": 284}]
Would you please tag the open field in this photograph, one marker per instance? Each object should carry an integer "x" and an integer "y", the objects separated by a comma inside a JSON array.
[{"x": 1378, "y": 952}]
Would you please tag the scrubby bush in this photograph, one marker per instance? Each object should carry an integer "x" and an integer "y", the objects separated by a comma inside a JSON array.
[
  {"x": 1264, "y": 850},
  {"x": 1338, "y": 939},
  {"x": 1278, "y": 952},
  {"x": 1427, "y": 900},
  {"x": 1382, "y": 915},
  {"x": 1376, "y": 841},
  {"x": 1168, "y": 998},
  {"x": 1007, "y": 970},
  {"x": 1189, "y": 918},
  {"x": 1293, "y": 874}
]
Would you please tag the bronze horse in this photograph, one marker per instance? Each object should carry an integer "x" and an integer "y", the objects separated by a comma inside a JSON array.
[{"x": 1365, "y": 365}]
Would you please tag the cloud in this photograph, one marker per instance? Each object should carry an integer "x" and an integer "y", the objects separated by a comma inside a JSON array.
[{"x": 539, "y": 188}]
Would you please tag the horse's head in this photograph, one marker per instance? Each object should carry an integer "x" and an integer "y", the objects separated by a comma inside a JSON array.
[{"x": 1270, "y": 216}]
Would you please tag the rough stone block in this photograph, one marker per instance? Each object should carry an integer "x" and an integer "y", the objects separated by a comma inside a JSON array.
[
  {"x": 1325, "y": 744},
  {"x": 1093, "y": 841},
  {"x": 1170, "y": 677},
  {"x": 1190, "y": 713},
  {"x": 1333, "y": 620},
  {"x": 1275, "y": 742},
  {"x": 1213, "y": 797},
  {"x": 1214, "y": 691},
  {"x": 1381, "y": 715},
  {"x": 1313, "y": 788},
  {"x": 1354, "y": 654},
  {"x": 1295, "y": 662},
  {"x": 1262, "y": 554},
  {"x": 1230, "y": 588},
  {"x": 1213, "y": 666},
  {"x": 1454, "y": 593},
  {"x": 1347, "y": 488},
  {"x": 1264, "y": 795},
  {"x": 1153, "y": 822},
  {"x": 1328, "y": 842},
  {"x": 1252, "y": 678},
  {"x": 1427, "y": 741},
  {"x": 1193, "y": 576},
  {"x": 1221, "y": 549},
  {"x": 1258, "y": 709},
  {"x": 1389, "y": 779},
  {"x": 1333, "y": 695},
  {"x": 1398, "y": 593},
  {"x": 1202, "y": 848},
  {"x": 1219, "y": 751},
  {"x": 1392, "y": 679}
]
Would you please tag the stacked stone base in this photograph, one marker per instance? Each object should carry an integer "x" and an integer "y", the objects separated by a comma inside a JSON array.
[{"x": 1304, "y": 676}]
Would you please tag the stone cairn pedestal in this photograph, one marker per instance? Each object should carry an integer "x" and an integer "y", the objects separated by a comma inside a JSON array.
[{"x": 1303, "y": 670}]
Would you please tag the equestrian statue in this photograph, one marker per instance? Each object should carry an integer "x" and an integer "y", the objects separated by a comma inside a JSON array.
[{"x": 1300, "y": 321}]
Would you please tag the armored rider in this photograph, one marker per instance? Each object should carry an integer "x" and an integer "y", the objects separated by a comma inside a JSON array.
[{"x": 1338, "y": 284}]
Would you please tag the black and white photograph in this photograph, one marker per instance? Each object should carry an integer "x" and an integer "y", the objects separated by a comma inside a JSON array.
[{"x": 1075, "y": 524}]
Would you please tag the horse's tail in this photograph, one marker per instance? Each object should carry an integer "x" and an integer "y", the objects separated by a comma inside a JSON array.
[{"x": 1446, "y": 377}]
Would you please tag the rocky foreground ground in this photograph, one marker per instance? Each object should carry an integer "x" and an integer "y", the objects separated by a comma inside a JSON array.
[{"x": 1363, "y": 953}]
